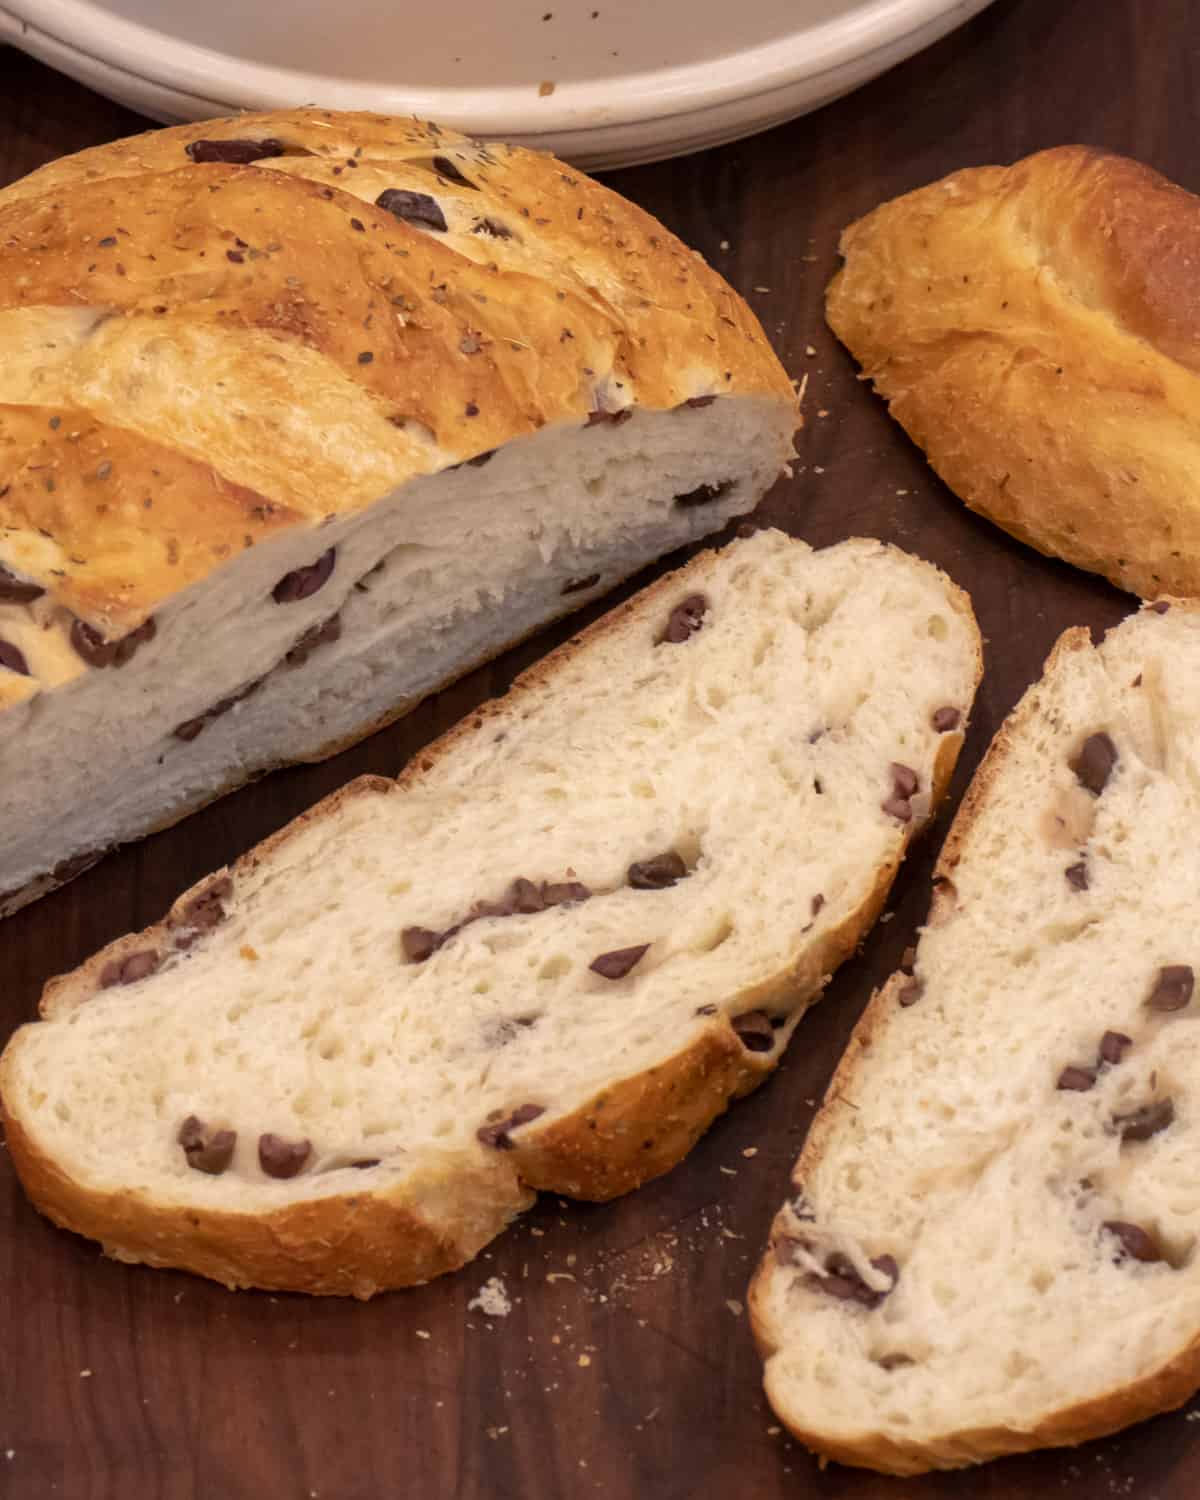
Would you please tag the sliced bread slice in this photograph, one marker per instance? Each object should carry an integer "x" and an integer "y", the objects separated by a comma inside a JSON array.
[
  {"x": 992, "y": 1242},
  {"x": 547, "y": 957}
]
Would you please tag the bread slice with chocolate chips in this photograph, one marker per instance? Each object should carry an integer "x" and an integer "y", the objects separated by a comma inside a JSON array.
[
  {"x": 302, "y": 415},
  {"x": 546, "y": 958},
  {"x": 992, "y": 1241}
]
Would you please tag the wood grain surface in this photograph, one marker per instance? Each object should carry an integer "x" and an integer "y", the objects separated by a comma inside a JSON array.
[{"x": 625, "y": 1367}]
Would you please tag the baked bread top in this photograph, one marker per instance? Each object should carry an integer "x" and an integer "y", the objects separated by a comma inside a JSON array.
[
  {"x": 212, "y": 333},
  {"x": 1036, "y": 330}
]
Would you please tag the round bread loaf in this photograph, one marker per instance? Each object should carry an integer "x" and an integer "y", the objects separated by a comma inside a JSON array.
[{"x": 302, "y": 414}]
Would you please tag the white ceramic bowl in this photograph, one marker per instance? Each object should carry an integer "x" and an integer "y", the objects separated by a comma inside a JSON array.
[{"x": 633, "y": 80}]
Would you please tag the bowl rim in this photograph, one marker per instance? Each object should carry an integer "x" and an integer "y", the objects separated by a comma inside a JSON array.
[{"x": 84, "y": 26}]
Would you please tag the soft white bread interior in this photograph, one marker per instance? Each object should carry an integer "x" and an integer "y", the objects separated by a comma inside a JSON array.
[
  {"x": 303, "y": 414},
  {"x": 992, "y": 1242},
  {"x": 547, "y": 957}
]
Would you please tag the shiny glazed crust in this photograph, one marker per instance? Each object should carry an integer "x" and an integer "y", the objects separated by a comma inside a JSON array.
[{"x": 1036, "y": 330}]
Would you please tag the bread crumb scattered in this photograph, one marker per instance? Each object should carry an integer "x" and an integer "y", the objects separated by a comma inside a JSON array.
[
  {"x": 810, "y": 351},
  {"x": 774, "y": 1431},
  {"x": 85, "y": 1374},
  {"x": 724, "y": 244},
  {"x": 750, "y": 1151},
  {"x": 423, "y": 1333},
  {"x": 734, "y": 1306},
  {"x": 545, "y": 89},
  {"x": 10, "y": 1454},
  {"x": 584, "y": 1361},
  {"x": 762, "y": 288},
  {"x": 491, "y": 1299},
  {"x": 248, "y": 953},
  {"x": 729, "y": 1171},
  {"x": 495, "y": 1432}
]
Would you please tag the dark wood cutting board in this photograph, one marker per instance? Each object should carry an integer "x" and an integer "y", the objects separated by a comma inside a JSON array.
[{"x": 624, "y": 1367}]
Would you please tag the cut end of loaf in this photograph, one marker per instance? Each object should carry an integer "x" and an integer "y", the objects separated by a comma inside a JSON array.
[{"x": 429, "y": 439}]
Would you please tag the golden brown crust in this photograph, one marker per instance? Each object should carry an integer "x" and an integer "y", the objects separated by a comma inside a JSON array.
[
  {"x": 354, "y": 1244},
  {"x": 154, "y": 309},
  {"x": 1160, "y": 1391},
  {"x": 1036, "y": 330},
  {"x": 1169, "y": 1386}
]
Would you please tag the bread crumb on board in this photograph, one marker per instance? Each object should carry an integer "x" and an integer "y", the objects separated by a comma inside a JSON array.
[{"x": 491, "y": 1299}]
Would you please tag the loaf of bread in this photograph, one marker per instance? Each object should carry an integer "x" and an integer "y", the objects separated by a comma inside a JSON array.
[
  {"x": 546, "y": 958},
  {"x": 303, "y": 414},
  {"x": 992, "y": 1240},
  {"x": 1036, "y": 330}
]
